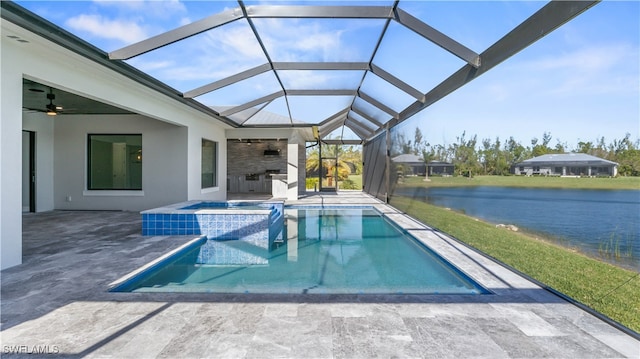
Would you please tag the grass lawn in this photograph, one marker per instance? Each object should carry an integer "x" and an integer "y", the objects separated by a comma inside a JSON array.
[
  {"x": 357, "y": 179},
  {"x": 610, "y": 290},
  {"x": 533, "y": 181}
]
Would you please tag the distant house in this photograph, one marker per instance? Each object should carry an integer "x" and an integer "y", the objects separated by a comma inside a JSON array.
[
  {"x": 413, "y": 165},
  {"x": 439, "y": 168},
  {"x": 567, "y": 164}
]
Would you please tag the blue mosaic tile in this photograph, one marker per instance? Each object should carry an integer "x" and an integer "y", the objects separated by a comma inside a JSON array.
[{"x": 258, "y": 229}]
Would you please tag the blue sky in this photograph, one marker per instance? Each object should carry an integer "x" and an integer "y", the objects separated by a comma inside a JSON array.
[{"x": 579, "y": 83}]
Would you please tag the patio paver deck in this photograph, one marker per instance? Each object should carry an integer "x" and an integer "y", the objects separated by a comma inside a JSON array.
[{"x": 57, "y": 302}]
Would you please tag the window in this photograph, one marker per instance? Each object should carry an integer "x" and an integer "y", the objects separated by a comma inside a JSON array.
[
  {"x": 209, "y": 164},
  {"x": 115, "y": 162}
]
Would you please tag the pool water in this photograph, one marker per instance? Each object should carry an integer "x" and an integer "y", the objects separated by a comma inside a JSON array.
[{"x": 326, "y": 251}]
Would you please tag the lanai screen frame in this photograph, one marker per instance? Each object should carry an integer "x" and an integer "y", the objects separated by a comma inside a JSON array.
[
  {"x": 548, "y": 18},
  {"x": 551, "y": 16}
]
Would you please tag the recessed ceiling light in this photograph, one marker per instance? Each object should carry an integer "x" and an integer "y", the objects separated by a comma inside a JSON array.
[{"x": 17, "y": 38}]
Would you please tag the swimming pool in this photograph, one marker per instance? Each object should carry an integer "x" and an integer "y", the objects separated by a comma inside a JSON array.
[{"x": 326, "y": 251}]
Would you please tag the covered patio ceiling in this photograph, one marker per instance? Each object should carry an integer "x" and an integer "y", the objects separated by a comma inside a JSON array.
[{"x": 353, "y": 69}]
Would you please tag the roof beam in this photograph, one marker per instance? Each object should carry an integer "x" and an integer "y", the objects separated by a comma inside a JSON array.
[
  {"x": 397, "y": 82},
  {"x": 340, "y": 115},
  {"x": 366, "y": 116},
  {"x": 550, "y": 17},
  {"x": 266, "y": 53},
  {"x": 359, "y": 123},
  {"x": 321, "y": 66},
  {"x": 177, "y": 34},
  {"x": 256, "y": 112},
  {"x": 437, "y": 38},
  {"x": 227, "y": 81},
  {"x": 361, "y": 132},
  {"x": 330, "y": 127},
  {"x": 373, "y": 55},
  {"x": 342, "y": 142},
  {"x": 378, "y": 104},
  {"x": 253, "y": 103},
  {"x": 319, "y": 12},
  {"x": 321, "y": 92}
]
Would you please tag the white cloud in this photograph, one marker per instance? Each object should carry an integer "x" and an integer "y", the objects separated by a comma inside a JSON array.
[
  {"x": 587, "y": 59},
  {"x": 235, "y": 41},
  {"x": 213, "y": 55},
  {"x": 304, "y": 79},
  {"x": 295, "y": 40},
  {"x": 151, "y": 8},
  {"x": 151, "y": 66},
  {"x": 98, "y": 26},
  {"x": 606, "y": 68}
]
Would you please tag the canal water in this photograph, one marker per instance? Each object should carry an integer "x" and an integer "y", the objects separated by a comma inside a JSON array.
[{"x": 600, "y": 223}]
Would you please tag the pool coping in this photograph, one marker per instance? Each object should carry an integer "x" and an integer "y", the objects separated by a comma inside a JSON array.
[
  {"x": 122, "y": 284},
  {"x": 59, "y": 297},
  {"x": 455, "y": 252},
  {"x": 179, "y": 208}
]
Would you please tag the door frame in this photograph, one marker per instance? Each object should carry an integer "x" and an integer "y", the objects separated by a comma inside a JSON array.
[{"x": 31, "y": 158}]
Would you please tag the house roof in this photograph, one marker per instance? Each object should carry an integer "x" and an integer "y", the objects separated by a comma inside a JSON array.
[
  {"x": 408, "y": 158},
  {"x": 567, "y": 159}
]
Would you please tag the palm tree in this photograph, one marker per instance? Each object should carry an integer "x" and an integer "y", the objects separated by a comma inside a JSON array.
[
  {"x": 341, "y": 168},
  {"x": 427, "y": 156}
]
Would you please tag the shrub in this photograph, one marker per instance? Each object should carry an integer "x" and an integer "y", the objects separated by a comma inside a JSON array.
[
  {"x": 348, "y": 184},
  {"x": 311, "y": 183}
]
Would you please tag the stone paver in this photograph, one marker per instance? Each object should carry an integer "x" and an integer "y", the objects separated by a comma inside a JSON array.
[{"x": 57, "y": 302}]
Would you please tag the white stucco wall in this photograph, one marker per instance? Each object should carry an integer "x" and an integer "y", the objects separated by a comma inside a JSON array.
[
  {"x": 164, "y": 162},
  {"x": 11, "y": 161},
  {"x": 197, "y": 132},
  {"x": 44, "y": 62},
  {"x": 42, "y": 125}
]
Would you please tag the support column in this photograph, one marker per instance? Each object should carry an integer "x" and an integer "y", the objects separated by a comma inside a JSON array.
[
  {"x": 10, "y": 179},
  {"x": 387, "y": 152},
  {"x": 292, "y": 168}
]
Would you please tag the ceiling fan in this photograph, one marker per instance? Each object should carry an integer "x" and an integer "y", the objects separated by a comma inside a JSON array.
[{"x": 50, "y": 109}]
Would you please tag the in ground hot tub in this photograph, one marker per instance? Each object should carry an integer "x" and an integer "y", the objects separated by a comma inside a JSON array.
[{"x": 259, "y": 223}]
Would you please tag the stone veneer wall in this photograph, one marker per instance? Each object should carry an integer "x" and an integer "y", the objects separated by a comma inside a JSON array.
[{"x": 243, "y": 159}]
